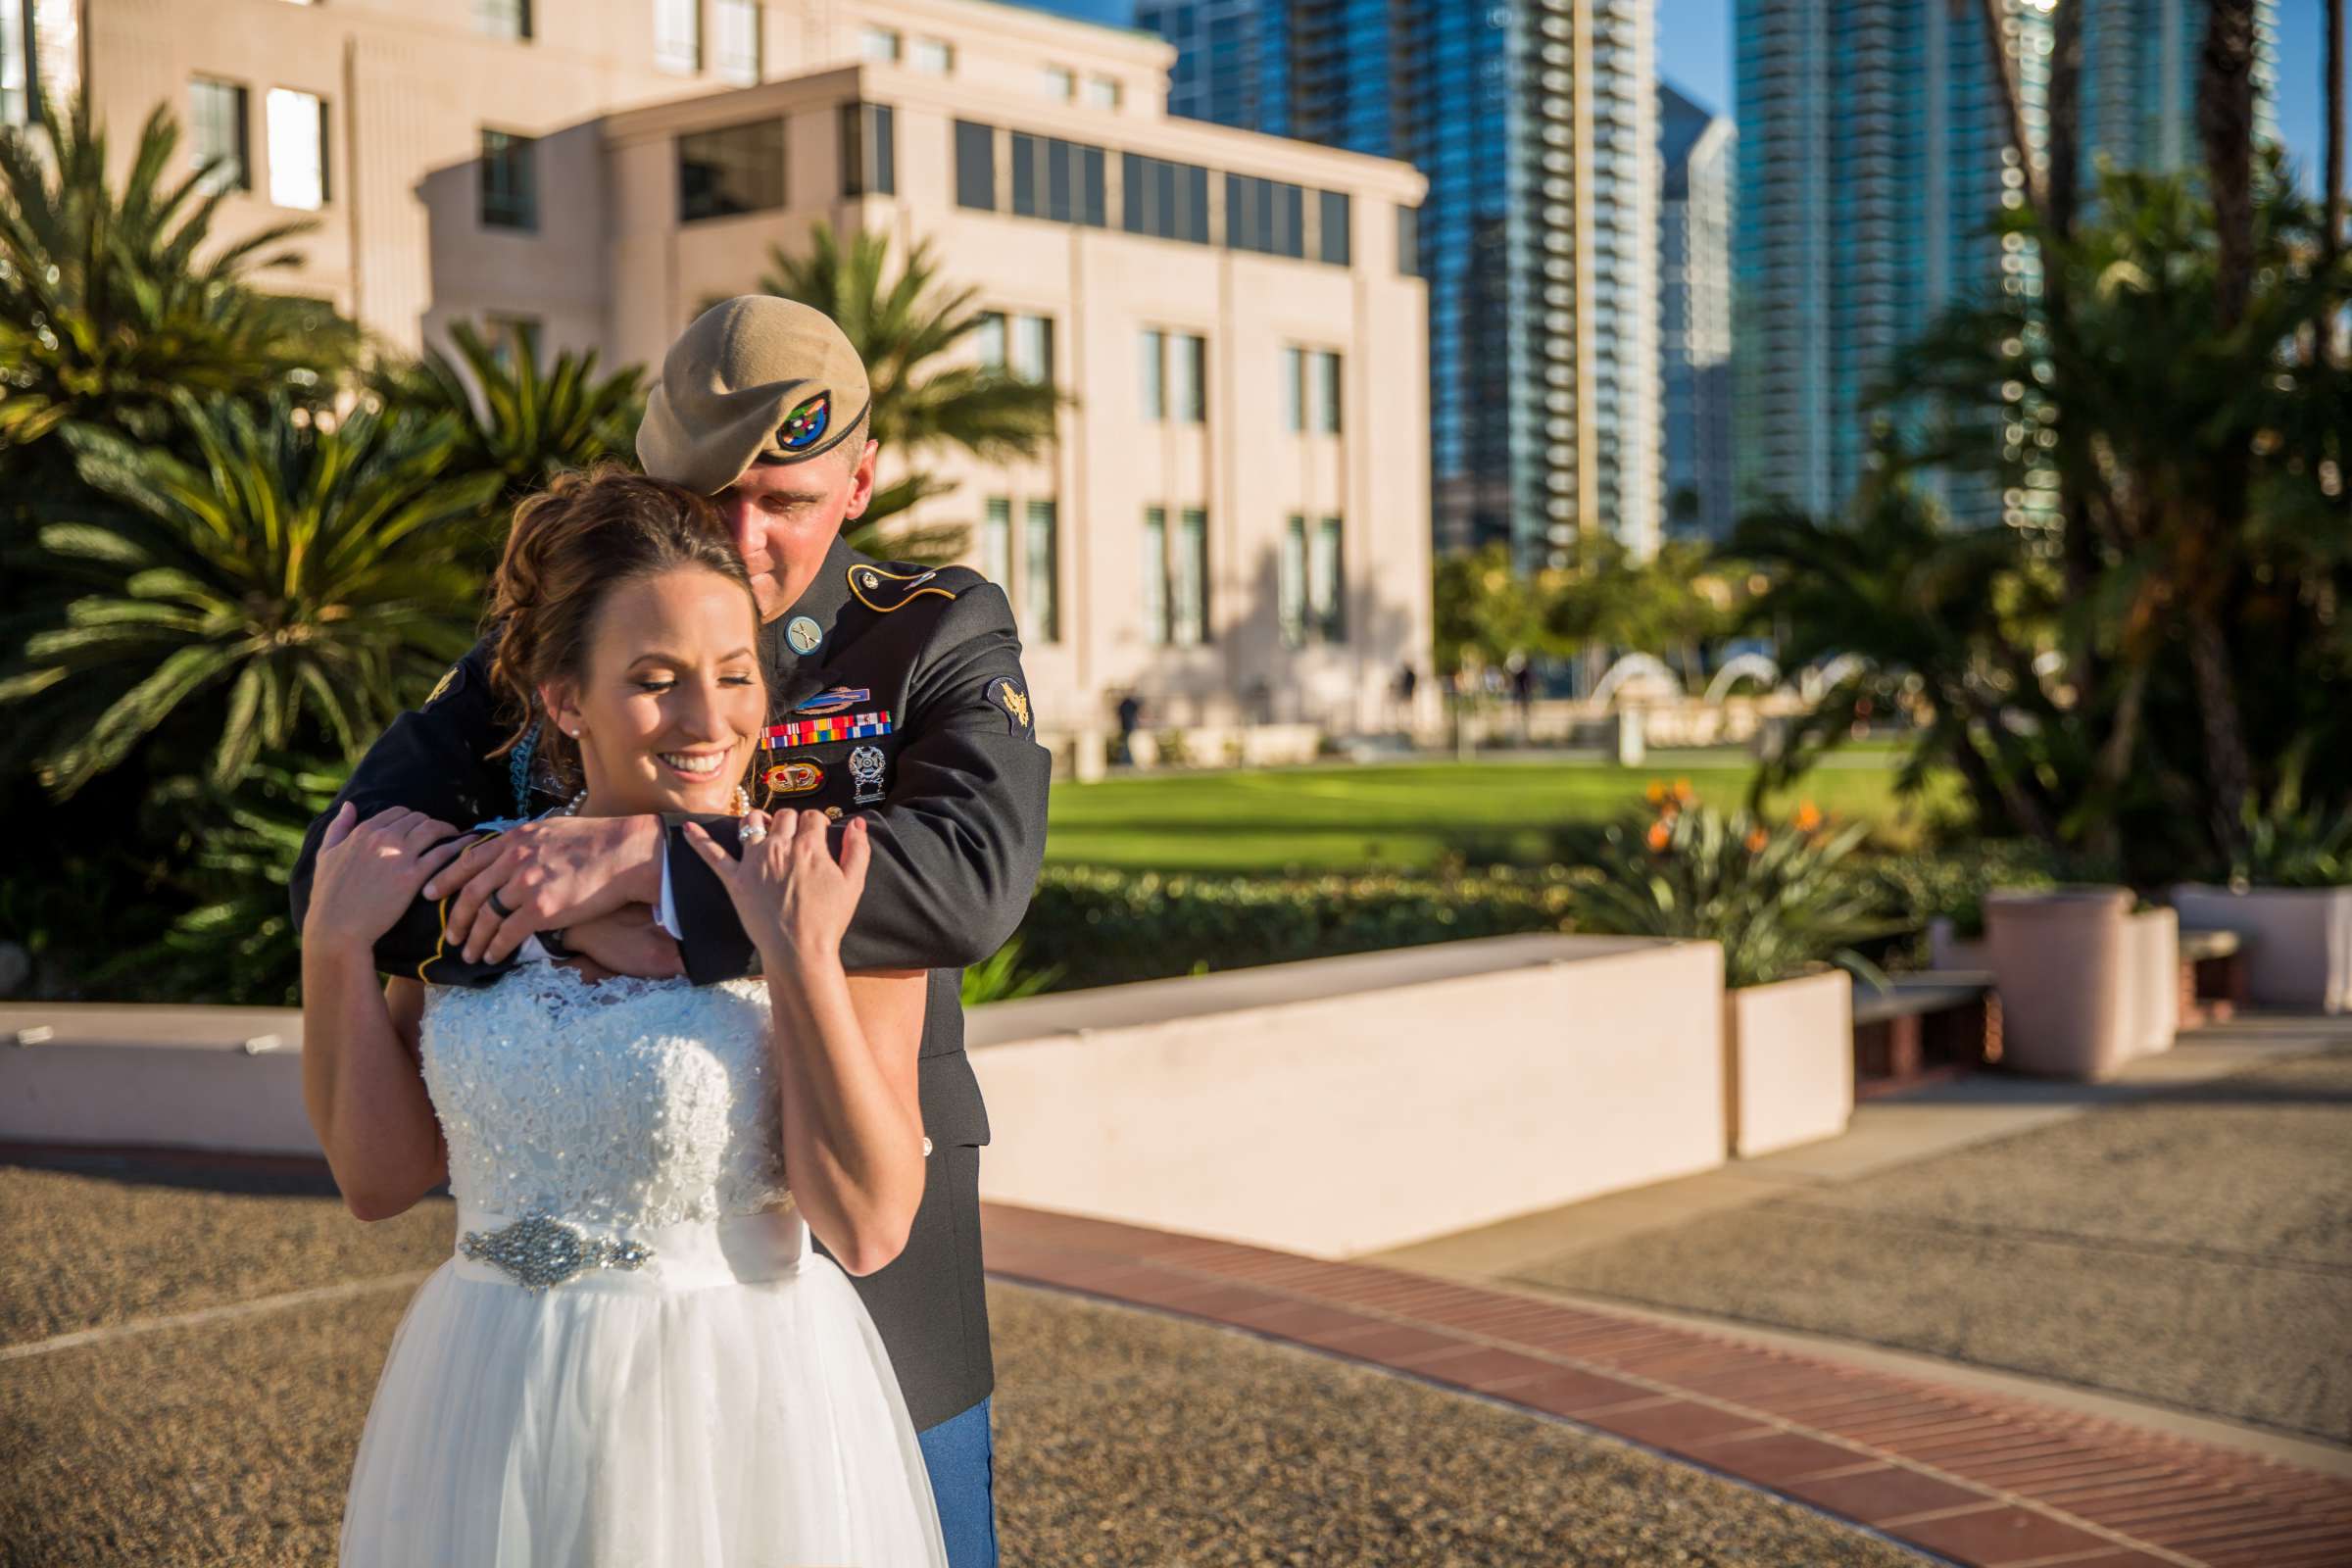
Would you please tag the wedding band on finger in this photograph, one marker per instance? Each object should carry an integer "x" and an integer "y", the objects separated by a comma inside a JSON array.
[{"x": 499, "y": 905}]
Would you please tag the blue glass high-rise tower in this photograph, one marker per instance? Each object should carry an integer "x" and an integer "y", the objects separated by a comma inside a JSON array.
[
  {"x": 1873, "y": 155},
  {"x": 1535, "y": 122}
]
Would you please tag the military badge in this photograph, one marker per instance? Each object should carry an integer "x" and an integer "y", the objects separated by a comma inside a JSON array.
[
  {"x": 838, "y": 700},
  {"x": 452, "y": 679},
  {"x": 794, "y": 778},
  {"x": 1011, "y": 698},
  {"x": 865, "y": 766},
  {"x": 806, "y": 424},
  {"x": 802, "y": 634}
]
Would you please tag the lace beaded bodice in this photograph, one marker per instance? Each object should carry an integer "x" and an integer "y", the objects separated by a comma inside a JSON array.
[{"x": 627, "y": 1102}]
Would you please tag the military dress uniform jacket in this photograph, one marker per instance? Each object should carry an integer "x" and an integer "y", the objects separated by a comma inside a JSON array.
[{"x": 954, "y": 794}]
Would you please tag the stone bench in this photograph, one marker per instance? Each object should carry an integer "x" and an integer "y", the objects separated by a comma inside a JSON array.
[
  {"x": 1936, "y": 1024},
  {"x": 2213, "y": 976}
]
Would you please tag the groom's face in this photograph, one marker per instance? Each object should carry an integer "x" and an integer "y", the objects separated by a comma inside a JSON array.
[{"x": 785, "y": 516}]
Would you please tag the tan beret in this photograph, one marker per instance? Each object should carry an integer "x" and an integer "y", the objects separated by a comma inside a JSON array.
[{"x": 755, "y": 378}]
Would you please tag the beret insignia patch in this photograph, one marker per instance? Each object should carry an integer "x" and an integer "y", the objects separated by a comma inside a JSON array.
[
  {"x": 806, "y": 424},
  {"x": 1011, "y": 698},
  {"x": 879, "y": 588}
]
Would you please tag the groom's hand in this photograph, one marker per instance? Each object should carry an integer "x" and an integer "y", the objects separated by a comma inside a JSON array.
[
  {"x": 557, "y": 872},
  {"x": 627, "y": 942}
]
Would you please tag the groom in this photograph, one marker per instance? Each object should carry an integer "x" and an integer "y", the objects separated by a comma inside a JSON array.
[{"x": 896, "y": 694}]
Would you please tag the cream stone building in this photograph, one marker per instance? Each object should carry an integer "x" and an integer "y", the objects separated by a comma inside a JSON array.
[{"x": 1233, "y": 526}]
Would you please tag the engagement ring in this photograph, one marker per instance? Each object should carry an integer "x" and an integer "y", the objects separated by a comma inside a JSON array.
[{"x": 753, "y": 833}]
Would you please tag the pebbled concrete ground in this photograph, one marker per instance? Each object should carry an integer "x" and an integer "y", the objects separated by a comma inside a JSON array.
[
  {"x": 1123, "y": 1438},
  {"x": 2192, "y": 1247}
]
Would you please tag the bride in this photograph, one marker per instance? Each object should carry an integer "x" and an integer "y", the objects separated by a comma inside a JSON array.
[{"x": 633, "y": 1355}]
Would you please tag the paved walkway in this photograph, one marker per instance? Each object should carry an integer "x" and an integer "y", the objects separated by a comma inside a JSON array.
[{"x": 1974, "y": 1477}]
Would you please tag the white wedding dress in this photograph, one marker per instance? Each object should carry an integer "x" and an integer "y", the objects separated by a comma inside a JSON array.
[{"x": 707, "y": 1392}]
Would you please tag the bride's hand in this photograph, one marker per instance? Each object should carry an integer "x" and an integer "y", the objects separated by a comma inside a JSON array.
[
  {"x": 369, "y": 872},
  {"x": 794, "y": 899}
]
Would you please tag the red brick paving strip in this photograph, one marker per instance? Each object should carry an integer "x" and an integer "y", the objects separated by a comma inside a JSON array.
[{"x": 1979, "y": 1477}]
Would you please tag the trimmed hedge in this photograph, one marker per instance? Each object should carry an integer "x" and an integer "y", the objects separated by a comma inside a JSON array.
[{"x": 1101, "y": 928}]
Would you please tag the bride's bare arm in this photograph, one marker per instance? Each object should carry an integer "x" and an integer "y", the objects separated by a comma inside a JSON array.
[
  {"x": 361, "y": 1083},
  {"x": 844, "y": 1049},
  {"x": 844, "y": 1046}
]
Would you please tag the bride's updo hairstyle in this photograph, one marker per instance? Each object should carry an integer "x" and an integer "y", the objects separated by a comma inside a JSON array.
[{"x": 571, "y": 545}]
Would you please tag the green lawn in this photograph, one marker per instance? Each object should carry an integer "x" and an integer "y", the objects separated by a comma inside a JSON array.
[{"x": 1407, "y": 815}]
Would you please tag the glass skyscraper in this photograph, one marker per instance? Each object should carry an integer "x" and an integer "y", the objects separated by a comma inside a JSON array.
[
  {"x": 1695, "y": 312},
  {"x": 1536, "y": 125},
  {"x": 1873, "y": 157}
]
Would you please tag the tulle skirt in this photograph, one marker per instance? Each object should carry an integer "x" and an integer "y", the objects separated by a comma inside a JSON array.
[{"x": 726, "y": 1405}]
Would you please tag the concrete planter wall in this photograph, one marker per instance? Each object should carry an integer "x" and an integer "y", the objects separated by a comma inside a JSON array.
[
  {"x": 2151, "y": 981},
  {"x": 2062, "y": 963},
  {"x": 1346, "y": 1105},
  {"x": 2298, "y": 941},
  {"x": 1788, "y": 1061}
]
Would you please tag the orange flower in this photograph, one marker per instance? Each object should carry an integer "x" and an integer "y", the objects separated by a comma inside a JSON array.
[
  {"x": 1808, "y": 818},
  {"x": 1656, "y": 793},
  {"x": 1757, "y": 837},
  {"x": 1660, "y": 835},
  {"x": 1682, "y": 791}
]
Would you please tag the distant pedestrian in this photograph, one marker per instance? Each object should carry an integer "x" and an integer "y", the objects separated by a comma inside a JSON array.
[
  {"x": 1408, "y": 681},
  {"x": 1131, "y": 718}
]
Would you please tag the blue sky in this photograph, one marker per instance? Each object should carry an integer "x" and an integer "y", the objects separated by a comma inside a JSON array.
[{"x": 1695, "y": 53}]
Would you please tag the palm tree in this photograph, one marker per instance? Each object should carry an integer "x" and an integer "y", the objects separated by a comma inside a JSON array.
[
  {"x": 901, "y": 326},
  {"x": 294, "y": 584},
  {"x": 524, "y": 421},
  {"x": 107, "y": 306}
]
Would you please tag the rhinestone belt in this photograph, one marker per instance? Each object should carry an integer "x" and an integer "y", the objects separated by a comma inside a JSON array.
[{"x": 540, "y": 1250}]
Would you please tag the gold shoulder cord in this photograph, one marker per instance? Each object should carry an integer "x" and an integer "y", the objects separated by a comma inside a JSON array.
[{"x": 859, "y": 582}]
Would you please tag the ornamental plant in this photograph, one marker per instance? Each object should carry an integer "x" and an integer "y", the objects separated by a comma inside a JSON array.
[{"x": 1782, "y": 897}]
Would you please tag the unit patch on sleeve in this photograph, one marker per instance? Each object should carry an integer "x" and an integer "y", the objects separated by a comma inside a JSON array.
[
  {"x": 1015, "y": 703},
  {"x": 452, "y": 679}
]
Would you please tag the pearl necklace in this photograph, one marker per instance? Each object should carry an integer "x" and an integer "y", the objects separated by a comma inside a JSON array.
[{"x": 743, "y": 803}]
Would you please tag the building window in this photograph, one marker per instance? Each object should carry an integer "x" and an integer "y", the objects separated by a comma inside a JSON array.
[
  {"x": 1294, "y": 389},
  {"x": 1267, "y": 216},
  {"x": 1409, "y": 241},
  {"x": 678, "y": 37},
  {"x": 1020, "y": 344},
  {"x": 509, "y": 181},
  {"x": 1101, "y": 92},
  {"x": 935, "y": 54},
  {"x": 975, "y": 166},
  {"x": 1331, "y": 227},
  {"x": 1155, "y": 377},
  {"x": 1312, "y": 590},
  {"x": 297, "y": 149},
  {"x": 1058, "y": 82},
  {"x": 502, "y": 18},
  {"x": 739, "y": 40},
  {"x": 1167, "y": 201},
  {"x": 739, "y": 168},
  {"x": 996, "y": 543},
  {"x": 1188, "y": 396},
  {"x": 19, "y": 80},
  {"x": 1326, "y": 584},
  {"x": 1175, "y": 376},
  {"x": 1188, "y": 580},
  {"x": 879, "y": 45},
  {"x": 217, "y": 113},
  {"x": 1156, "y": 576},
  {"x": 1040, "y": 616},
  {"x": 868, "y": 151},
  {"x": 1324, "y": 379},
  {"x": 1059, "y": 181},
  {"x": 1290, "y": 602}
]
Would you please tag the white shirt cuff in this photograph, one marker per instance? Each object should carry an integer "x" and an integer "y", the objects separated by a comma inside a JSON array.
[
  {"x": 665, "y": 911},
  {"x": 533, "y": 951}
]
